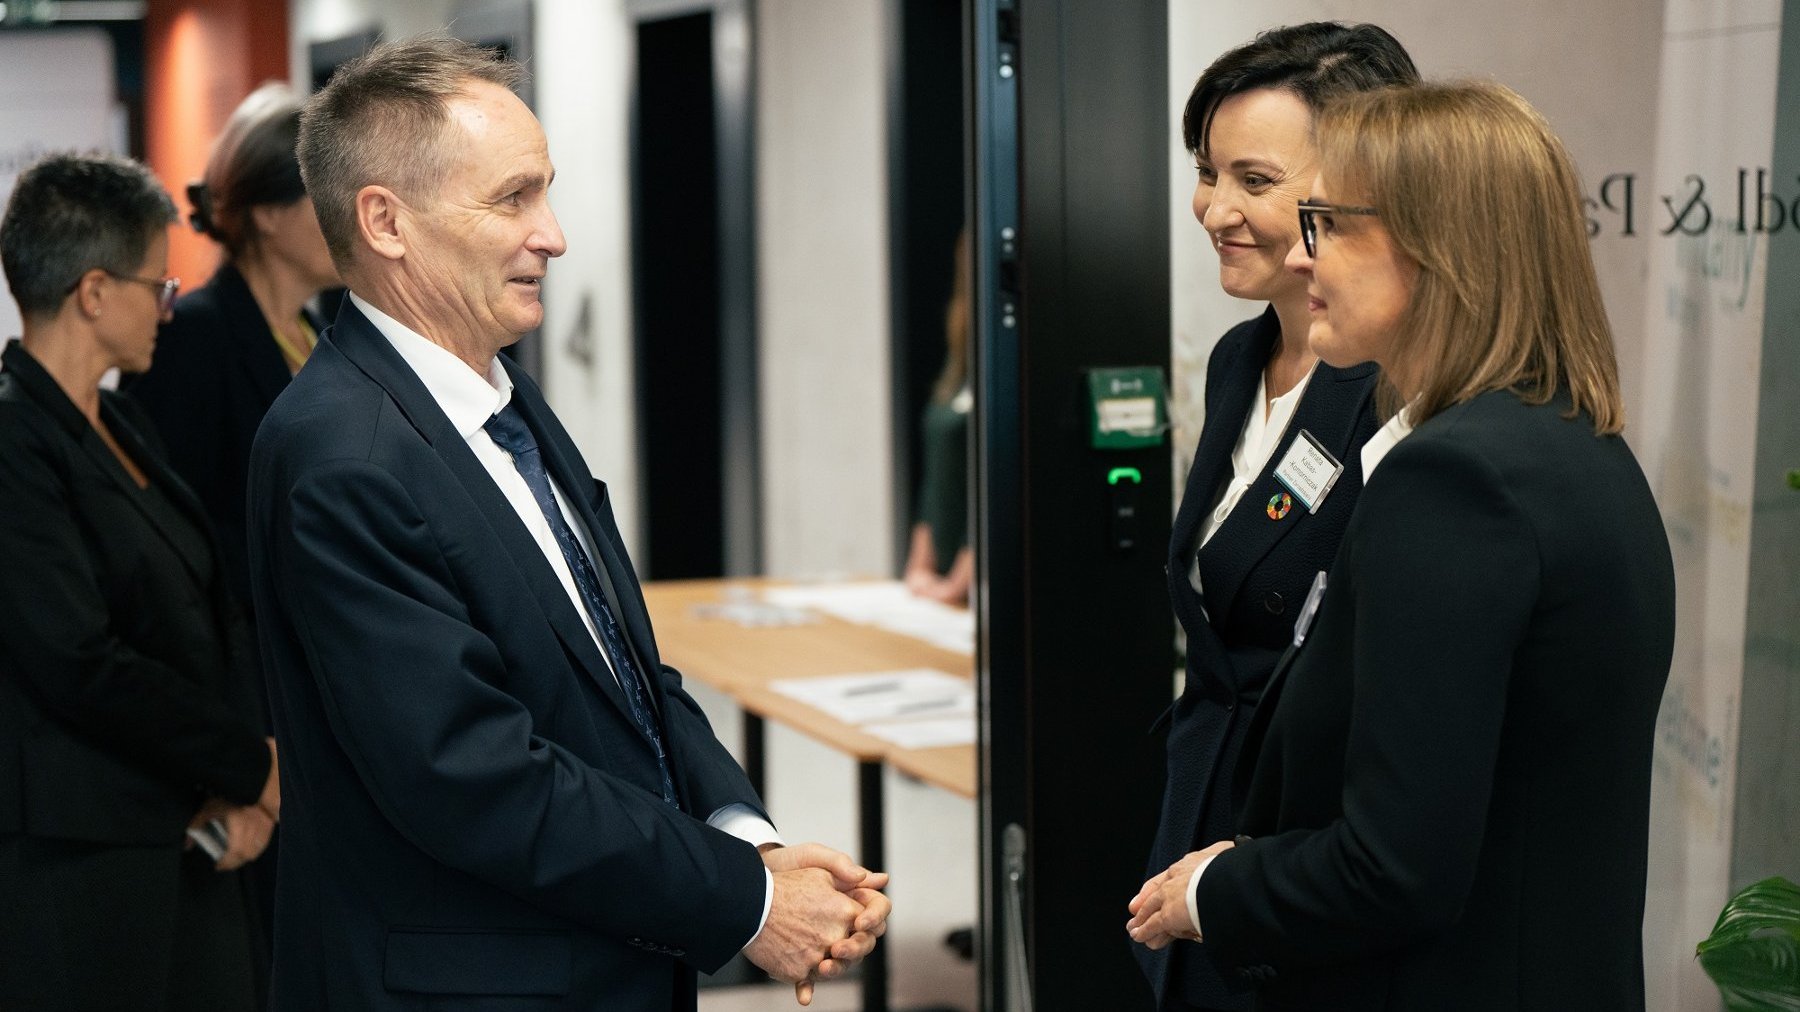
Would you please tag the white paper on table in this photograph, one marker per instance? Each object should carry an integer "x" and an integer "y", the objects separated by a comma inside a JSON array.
[
  {"x": 884, "y": 695},
  {"x": 886, "y": 605},
  {"x": 932, "y": 733}
]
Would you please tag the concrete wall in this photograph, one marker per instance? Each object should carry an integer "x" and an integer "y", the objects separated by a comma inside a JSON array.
[{"x": 823, "y": 298}]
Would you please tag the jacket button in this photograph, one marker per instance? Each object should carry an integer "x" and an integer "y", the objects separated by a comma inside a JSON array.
[{"x": 1274, "y": 604}]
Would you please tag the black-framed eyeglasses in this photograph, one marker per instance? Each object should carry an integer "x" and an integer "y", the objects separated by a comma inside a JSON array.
[
  {"x": 167, "y": 289},
  {"x": 1309, "y": 228}
]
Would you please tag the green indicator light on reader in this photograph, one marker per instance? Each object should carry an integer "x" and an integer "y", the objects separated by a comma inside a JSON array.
[{"x": 1117, "y": 473}]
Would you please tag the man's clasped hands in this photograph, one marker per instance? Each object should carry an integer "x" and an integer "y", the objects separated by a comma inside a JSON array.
[{"x": 825, "y": 915}]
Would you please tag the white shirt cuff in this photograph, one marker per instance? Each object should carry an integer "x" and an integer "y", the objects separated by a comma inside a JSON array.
[
  {"x": 1193, "y": 894},
  {"x": 742, "y": 822}
]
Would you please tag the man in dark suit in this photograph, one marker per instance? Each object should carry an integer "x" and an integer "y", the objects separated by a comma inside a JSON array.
[{"x": 499, "y": 795}]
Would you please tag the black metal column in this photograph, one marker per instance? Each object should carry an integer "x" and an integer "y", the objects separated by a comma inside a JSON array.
[
  {"x": 1075, "y": 650},
  {"x": 871, "y": 841}
]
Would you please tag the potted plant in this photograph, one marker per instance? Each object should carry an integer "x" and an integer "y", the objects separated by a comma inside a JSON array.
[{"x": 1753, "y": 954}]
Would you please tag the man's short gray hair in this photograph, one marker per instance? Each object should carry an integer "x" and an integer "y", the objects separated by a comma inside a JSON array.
[{"x": 381, "y": 121}]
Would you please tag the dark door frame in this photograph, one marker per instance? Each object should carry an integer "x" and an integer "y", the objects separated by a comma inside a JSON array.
[
  {"x": 1074, "y": 649},
  {"x": 734, "y": 96}
]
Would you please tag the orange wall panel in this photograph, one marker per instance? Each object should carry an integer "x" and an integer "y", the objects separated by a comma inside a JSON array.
[{"x": 201, "y": 58}]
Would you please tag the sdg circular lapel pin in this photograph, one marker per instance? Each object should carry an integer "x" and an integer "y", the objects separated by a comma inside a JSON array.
[{"x": 1279, "y": 504}]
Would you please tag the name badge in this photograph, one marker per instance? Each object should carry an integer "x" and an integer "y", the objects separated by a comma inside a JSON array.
[{"x": 1308, "y": 471}]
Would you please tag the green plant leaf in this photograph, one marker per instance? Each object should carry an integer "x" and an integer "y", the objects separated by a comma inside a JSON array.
[
  {"x": 1794, "y": 479},
  {"x": 1753, "y": 954}
]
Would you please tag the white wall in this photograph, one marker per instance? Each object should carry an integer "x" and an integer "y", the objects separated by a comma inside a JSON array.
[
  {"x": 1662, "y": 92},
  {"x": 584, "y": 71},
  {"x": 823, "y": 297},
  {"x": 58, "y": 88}
]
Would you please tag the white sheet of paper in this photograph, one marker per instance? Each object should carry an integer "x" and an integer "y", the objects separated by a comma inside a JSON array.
[
  {"x": 878, "y": 696},
  {"x": 885, "y": 604},
  {"x": 925, "y": 733}
]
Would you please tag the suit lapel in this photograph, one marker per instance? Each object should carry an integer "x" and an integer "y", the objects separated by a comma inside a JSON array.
[
  {"x": 1328, "y": 411},
  {"x": 42, "y": 388},
  {"x": 258, "y": 357},
  {"x": 363, "y": 345},
  {"x": 1212, "y": 463},
  {"x": 167, "y": 483}
]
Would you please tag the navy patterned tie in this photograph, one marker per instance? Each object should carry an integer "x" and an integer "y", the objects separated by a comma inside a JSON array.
[{"x": 508, "y": 429}]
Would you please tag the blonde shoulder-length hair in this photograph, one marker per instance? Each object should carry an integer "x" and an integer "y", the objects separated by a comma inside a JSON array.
[{"x": 1473, "y": 186}]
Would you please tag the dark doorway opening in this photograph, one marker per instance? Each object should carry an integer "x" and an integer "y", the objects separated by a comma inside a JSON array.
[{"x": 680, "y": 348}]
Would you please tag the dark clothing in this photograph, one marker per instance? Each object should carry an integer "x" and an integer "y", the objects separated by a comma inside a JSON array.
[
  {"x": 1451, "y": 795},
  {"x": 217, "y": 370},
  {"x": 126, "y": 698},
  {"x": 471, "y": 810},
  {"x": 1255, "y": 573},
  {"x": 944, "y": 479}
]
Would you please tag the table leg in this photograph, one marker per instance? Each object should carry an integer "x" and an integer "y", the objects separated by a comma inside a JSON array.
[
  {"x": 755, "y": 755},
  {"x": 874, "y": 857}
]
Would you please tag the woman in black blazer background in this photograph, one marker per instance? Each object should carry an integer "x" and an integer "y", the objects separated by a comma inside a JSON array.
[
  {"x": 127, "y": 703},
  {"x": 1244, "y": 549},
  {"x": 233, "y": 345},
  {"x": 1449, "y": 802}
]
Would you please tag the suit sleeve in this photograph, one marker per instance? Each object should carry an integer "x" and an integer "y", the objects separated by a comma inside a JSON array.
[
  {"x": 60, "y": 642},
  {"x": 1443, "y": 576},
  {"x": 415, "y": 697},
  {"x": 714, "y": 779}
]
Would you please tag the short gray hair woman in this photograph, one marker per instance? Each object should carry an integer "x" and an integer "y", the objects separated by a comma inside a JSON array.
[{"x": 125, "y": 711}]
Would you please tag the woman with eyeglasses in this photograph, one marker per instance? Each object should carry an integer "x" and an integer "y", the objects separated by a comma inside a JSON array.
[
  {"x": 1449, "y": 804},
  {"x": 232, "y": 345},
  {"x": 127, "y": 711},
  {"x": 1251, "y": 534}
]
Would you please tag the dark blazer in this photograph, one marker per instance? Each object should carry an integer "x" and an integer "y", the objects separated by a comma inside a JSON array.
[
  {"x": 469, "y": 808},
  {"x": 217, "y": 370},
  {"x": 124, "y": 682},
  {"x": 1255, "y": 573},
  {"x": 1451, "y": 790}
]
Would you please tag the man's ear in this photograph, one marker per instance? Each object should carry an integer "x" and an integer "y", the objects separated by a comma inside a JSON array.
[{"x": 378, "y": 221}]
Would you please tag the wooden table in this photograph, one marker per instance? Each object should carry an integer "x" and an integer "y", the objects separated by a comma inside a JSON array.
[{"x": 742, "y": 661}]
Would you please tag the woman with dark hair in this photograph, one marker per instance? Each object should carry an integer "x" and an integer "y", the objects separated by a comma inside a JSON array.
[
  {"x": 128, "y": 719},
  {"x": 1275, "y": 474},
  {"x": 1450, "y": 803},
  {"x": 232, "y": 346}
]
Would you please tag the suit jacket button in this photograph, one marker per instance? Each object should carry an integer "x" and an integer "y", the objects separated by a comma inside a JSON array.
[{"x": 1274, "y": 604}]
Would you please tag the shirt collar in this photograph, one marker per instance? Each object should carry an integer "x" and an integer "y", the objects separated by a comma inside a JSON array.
[
  {"x": 466, "y": 398},
  {"x": 1384, "y": 439}
]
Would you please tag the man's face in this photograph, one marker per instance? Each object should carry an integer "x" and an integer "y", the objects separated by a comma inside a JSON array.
[{"x": 488, "y": 235}]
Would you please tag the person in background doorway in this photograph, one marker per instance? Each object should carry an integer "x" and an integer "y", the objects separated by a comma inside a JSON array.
[
  {"x": 1246, "y": 544},
  {"x": 127, "y": 709},
  {"x": 939, "y": 563}
]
